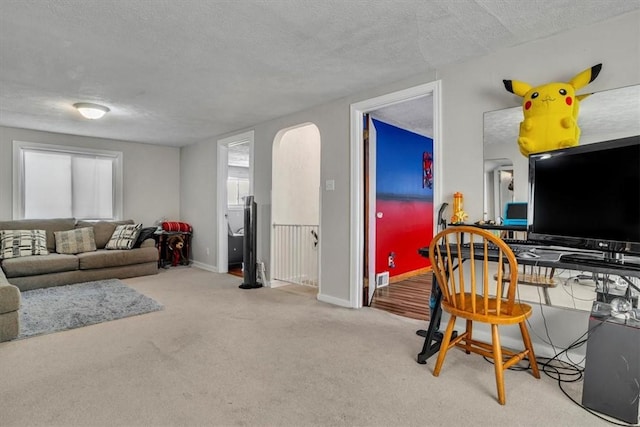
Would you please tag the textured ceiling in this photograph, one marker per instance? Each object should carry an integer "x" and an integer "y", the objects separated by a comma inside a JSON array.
[
  {"x": 415, "y": 115},
  {"x": 175, "y": 72}
]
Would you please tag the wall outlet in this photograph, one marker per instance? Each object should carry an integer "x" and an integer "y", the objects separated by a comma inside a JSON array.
[{"x": 207, "y": 251}]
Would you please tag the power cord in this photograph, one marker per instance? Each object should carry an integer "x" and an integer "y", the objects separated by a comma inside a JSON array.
[{"x": 578, "y": 372}]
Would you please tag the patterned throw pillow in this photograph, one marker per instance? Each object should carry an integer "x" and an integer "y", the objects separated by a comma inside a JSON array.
[
  {"x": 75, "y": 241},
  {"x": 17, "y": 243},
  {"x": 124, "y": 237}
]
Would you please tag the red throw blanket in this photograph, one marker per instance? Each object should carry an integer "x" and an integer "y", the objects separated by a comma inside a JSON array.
[{"x": 176, "y": 226}]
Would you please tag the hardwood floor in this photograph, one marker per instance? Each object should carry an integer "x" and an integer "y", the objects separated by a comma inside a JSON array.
[
  {"x": 236, "y": 271},
  {"x": 408, "y": 298}
]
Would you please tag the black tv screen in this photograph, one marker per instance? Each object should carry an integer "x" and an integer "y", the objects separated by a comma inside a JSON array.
[{"x": 587, "y": 197}]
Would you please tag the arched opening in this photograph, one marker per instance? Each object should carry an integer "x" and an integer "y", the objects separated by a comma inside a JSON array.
[{"x": 295, "y": 208}]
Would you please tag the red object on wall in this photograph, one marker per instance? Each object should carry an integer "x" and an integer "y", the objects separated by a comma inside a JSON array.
[
  {"x": 182, "y": 227},
  {"x": 405, "y": 227}
]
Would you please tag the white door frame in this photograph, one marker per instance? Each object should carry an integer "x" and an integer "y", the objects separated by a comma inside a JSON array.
[
  {"x": 356, "y": 239},
  {"x": 221, "y": 193}
]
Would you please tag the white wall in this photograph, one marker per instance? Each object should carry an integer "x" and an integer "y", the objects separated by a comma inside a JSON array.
[
  {"x": 468, "y": 90},
  {"x": 296, "y": 182},
  {"x": 198, "y": 199},
  {"x": 151, "y": 173}
]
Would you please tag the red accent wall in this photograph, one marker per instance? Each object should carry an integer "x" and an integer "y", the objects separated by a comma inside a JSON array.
[{"x": 405, "y": 227}]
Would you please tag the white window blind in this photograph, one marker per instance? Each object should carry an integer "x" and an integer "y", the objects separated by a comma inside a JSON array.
[
  {"x": 92, "y": 187},
  {"x": 62, "y": 182},
  {"x": 47, "y": 177}
]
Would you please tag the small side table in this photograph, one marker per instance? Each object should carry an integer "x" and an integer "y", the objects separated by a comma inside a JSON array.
[{"x": 162, "y": 238}]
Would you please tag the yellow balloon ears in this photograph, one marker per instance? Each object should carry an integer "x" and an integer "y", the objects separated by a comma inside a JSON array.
[{"x": 579, "y": 81}]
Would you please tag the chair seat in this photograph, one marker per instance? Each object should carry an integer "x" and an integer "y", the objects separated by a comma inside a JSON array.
[{"x": 519, "y": 313}]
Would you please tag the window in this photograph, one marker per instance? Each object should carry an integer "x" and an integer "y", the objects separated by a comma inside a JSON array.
[
  {"x": 60, "y": 182},
  {"x": 237, "y": 190}
]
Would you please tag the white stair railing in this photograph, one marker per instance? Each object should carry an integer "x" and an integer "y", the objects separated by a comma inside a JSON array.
[{"x": 296, "y": 254}]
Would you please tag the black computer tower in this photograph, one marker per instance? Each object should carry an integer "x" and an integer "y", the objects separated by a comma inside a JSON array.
[{"x": 612, "y": 365}]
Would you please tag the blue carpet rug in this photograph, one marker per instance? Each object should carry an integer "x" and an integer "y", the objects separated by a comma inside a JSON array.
[{"x": 67, "y": 307}]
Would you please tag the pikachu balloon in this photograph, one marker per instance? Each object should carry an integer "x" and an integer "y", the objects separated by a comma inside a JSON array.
[{"x": 550, "y": 112}]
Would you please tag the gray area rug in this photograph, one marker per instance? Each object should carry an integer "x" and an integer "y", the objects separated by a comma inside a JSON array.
[{"x": 67, "y": 307}]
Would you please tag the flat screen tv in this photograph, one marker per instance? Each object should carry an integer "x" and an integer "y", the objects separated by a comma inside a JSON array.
[{"x": 587, "y": 197}]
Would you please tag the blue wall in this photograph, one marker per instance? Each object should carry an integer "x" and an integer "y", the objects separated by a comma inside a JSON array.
[{"x": 399, "y": 163}]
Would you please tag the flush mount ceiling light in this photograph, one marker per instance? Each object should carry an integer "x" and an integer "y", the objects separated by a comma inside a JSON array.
[{"x": 91, "y": 111}]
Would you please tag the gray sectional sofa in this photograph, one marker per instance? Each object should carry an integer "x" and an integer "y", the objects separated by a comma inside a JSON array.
[
  {"x": 55, "y": 269},
  {"x": 9, "y": 306}
]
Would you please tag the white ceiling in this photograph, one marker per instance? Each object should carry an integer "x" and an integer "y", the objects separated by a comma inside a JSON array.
[
  {"x": 175, "y": 72},
  {"x": 415, "y": 115}
]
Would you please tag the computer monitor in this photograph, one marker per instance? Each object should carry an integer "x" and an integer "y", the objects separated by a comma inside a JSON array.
[
  {"x": 515, "y": 213},
  {"x": 587, "y": 197}
]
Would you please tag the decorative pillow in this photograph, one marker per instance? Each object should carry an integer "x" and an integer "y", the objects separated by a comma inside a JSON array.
[
  {"x": 102, "y": 230},
  {"x": 17, "y": 243},
  {"x": 75, "y": 241},
  {"x": 124, "y": 237},
  {"x": 145, "y": 233}
]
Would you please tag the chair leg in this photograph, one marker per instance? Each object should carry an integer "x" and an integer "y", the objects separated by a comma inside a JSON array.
[
  {"x": 498, "y": 363},
  {"x": 527, "y": 344},
  {"x": 469, "y": 337},
  {"x": 444, "y": 346}
]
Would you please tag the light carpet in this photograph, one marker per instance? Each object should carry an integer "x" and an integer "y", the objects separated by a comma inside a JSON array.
[
  {"x": 60, "y": 308},
  {"x": 222, "y": 356}
]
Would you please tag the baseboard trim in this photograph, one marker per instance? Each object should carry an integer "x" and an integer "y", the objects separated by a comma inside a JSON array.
[
  {"x": 410, "y": 274},
  {"x": 277, "y": 283},
  {"x": 204, "y": 266},
  {"x": 333, "y": 300}
]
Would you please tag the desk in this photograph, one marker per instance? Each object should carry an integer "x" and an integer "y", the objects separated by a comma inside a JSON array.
[{"x": 549, "y": 257}]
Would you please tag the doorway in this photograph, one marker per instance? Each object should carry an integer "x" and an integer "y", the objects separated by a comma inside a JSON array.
[
  {"x": 358, "y": 276},
  {"x": 498, "y": 187},
  {"x": 401, "y": 153},
  {"x": 234, "y": 182},
  {"x": 295, "y": 210}
]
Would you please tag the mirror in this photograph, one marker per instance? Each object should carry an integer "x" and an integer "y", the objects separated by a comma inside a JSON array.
[{"x": 605, "y": 115}]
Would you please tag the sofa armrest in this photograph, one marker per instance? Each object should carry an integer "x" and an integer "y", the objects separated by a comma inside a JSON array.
[
  {"x": 3, "y": 278},
  {"x": 9, "y": 306},
  {"x": 9, "y": 295}
]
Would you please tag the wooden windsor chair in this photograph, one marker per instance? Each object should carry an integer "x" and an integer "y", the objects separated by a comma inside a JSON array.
[{"x": 469, "y": 292}]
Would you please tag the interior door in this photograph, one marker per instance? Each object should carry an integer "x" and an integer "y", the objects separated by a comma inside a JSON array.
[{"x": 370, "y": 207}]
